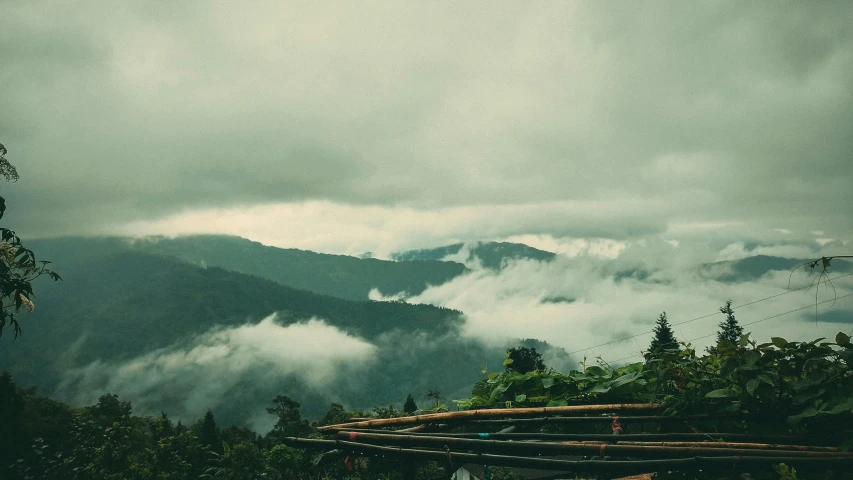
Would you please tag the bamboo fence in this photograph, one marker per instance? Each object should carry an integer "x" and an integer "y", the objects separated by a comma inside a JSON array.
[{"x": 615, "y": 454}]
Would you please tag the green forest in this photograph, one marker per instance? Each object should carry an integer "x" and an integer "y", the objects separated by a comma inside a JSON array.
[{"x": 778, "y": 387}]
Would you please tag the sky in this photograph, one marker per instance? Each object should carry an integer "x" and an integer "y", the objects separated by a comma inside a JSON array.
[{"x": 380, "y": 126}]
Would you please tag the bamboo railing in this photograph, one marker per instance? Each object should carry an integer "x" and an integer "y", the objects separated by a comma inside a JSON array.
[
  {"x": 494, "y": 413},
  {"x": 618, "y": 453}
]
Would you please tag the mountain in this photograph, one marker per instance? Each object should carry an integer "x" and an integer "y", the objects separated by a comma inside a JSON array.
[
  {"x": 336, "y": 275},
  {"x": 752, "y": 268},
  {"x": 492, "y": 255},
  {"x": 163, "y": 332}
]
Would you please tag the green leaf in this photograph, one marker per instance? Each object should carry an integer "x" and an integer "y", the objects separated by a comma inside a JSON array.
[
  {"x": 779, "y": 342},
  {"x": 508, "y": 361},
  {"x": 842, "y": 339},
  {"x": 557, "y": 403},
  {"x": 520, "y": 398},
  {"x": 752, "y": 385},
  {"x": 547, "y": 382},
  {"x": 721, "y": 393}
]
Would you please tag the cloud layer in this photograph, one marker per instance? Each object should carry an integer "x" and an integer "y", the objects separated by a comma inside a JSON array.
[
  {"x": 587, "y": 304},
  {"x": 225, "y": 364},
  {"x": 637, "y": 116}
]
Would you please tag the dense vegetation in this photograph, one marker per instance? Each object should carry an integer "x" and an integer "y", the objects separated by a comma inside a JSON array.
[
  {"x": 773, "y": 387},
  {"x": 41, "y": 438}
]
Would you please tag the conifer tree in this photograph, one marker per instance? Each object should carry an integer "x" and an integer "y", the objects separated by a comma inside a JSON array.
[
  {"x": 664, "y": 337},
  {"x": 410, "y": 406},
  {"x": 209, "y": 435},
  {"x": 730, "y": 331}
]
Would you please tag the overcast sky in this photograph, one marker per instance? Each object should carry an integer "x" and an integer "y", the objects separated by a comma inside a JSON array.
[{"x": 353, "y": 126}]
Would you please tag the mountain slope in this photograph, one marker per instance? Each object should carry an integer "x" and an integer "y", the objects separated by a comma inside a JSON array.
[
  {"x": 336, "y": 275},
  {"x": 752, "y": 268},
  {"x": 493, "y": 255},
  {"x": 121, "y": 321}
]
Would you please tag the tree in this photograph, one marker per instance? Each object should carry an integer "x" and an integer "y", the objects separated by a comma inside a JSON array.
[
  {"x": 410, "y": 406},
  {"x": 522, "y": 360},
  {"x": 730, "y": 331},
  {"x": 209, "y": 434},
  {"x": 664, "y": 337},
  {"x": 437, "y": 398},
  {"x": 290, "y": 422},
  {"x": 108, "y": 410},
  {"x": 336, "y": 414},
  {"x": 18, "y": 265}
]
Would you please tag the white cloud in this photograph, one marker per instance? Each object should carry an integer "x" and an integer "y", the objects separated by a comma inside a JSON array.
[
  {"x": 593, "y": 308},
  {"x": 205, "y": 373},
  {"x": 350, "y": 229}
]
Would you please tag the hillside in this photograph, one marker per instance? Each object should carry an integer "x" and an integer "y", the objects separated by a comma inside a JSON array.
[
  {"x": 493, "y": 255},
  {"x": 752, "y": 268},
  {"x": 132, "y": 312},
  {"x": 336, "y": 275}
]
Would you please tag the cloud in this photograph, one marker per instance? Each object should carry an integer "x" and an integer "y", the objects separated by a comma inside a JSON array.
[
  {"x": 340, "y": 228},
  {"x": 142, "y": 112},
  {"x": 515, "y": 302},
  {"x": 216, "y": 366}
]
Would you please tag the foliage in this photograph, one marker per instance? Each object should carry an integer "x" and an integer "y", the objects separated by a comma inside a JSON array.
[
  {"x": 290, "y": 422},
  {"x": 18, "y": 265},
  {"x": 523, "y": 359},
  {"x": 807, "y": 385},
  {"x": 44, "y": 439}
]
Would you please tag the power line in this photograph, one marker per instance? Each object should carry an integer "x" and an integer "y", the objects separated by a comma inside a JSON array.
[{"x": 618, "y": 340}]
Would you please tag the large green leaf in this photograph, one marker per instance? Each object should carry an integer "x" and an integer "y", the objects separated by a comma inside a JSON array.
[{"x": 721, "y": 393}]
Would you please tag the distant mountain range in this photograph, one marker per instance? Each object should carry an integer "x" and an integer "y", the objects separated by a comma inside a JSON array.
[{"x": 493, "y": 255}]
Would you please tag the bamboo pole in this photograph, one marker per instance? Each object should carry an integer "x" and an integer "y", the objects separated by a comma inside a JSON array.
[
  {"x": 604, "y": 437},
  {"x": 573, "y": 448},
  {"x": 760, "y": 446},
  {"x": 494, "y": 413},
  {"x": 626, "y": 467},
  {"x": 606, "y": 419}
]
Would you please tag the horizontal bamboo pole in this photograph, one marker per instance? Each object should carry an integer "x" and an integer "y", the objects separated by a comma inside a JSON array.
[
  {"x": 495, "y": 413},
  {"x": 607, "y": 437},
  {"x": 765, "y": 446},
  {"x": 607, "y": 419},
  {"x": 573, "y": 448},
  {"x": 626, "y": 467}
]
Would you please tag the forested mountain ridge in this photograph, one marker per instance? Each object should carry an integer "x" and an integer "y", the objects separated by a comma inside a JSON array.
[
  {"x": 752, "y": 268},
  {"x": 122, "y": 312},
  {"x": 340, "y": 276},
  {"x": 493, "y": 255}
]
